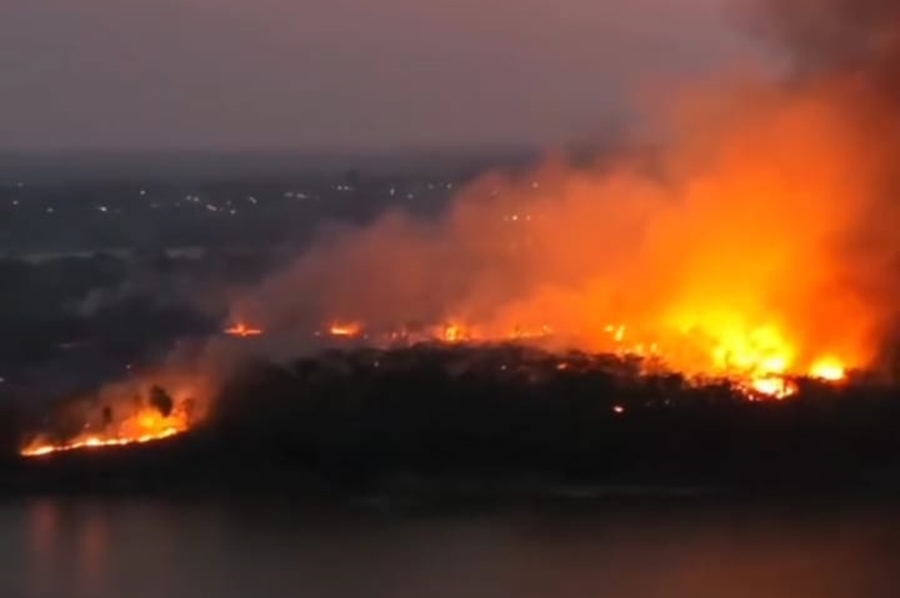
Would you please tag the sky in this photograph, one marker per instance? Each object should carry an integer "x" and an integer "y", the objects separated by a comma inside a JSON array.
[{"x": 341, "y": 74}]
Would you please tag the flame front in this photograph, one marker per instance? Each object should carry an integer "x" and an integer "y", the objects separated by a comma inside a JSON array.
[
  {"x": 127, "y": 413},
  {"x": 40, "y": 448},
  {"x": 762, "y": 364}
]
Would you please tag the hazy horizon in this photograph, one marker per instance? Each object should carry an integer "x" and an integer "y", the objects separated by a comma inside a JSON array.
[
  {"x": 342, "y": 76},
  {"x": 56, "y": 166}
]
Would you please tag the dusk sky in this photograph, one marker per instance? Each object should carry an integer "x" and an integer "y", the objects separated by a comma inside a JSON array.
[{"x": 340, "y": 74}]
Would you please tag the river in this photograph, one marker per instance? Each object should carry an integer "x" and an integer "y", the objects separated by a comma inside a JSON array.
[{"x": 129, "y": 548}]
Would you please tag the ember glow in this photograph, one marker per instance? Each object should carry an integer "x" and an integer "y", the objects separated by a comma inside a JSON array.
[
  {"x": 345, "y": 329},
  {"x": 242, "y": 330}
]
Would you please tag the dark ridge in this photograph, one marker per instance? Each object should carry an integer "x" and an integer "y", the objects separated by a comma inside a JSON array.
[{"x": 501, "y": 419}]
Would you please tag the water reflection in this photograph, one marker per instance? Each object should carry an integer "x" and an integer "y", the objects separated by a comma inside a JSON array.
[
  {"x": 92, "y": 548},
  {"x": 43, "y": 522},
  {"x": 110, "y": 549}
]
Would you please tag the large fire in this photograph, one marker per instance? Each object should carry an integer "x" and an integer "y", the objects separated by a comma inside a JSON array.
[
  {"x": 758, "y": 242},
  {"x": 754, "y": 246},
  {"x": 125, "y": 414},
  {"x": 761, "y": 369}
]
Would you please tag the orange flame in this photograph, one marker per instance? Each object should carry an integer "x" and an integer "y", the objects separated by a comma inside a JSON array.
[
  {"x": 148, "y": 425},
  {"x": 760, "y": 364},
  {"x": 242, "y": 330},
  {"x": 775, "y": 387},
  {"x": 131, "y": 417},
  {"x": 828, "y": 369},
  {"x": 345, "y": 329},
  {"x": 453, "y": 333},
  {"x": 39, "y": 449},
  {"x": 756, "y": 246}
]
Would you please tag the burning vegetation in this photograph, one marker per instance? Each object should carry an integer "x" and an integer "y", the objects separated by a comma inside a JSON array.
[
  {"x": 758, "y": 377},
  {"x": 131, "y": 412},
  {"x": 758, "y": 243}
]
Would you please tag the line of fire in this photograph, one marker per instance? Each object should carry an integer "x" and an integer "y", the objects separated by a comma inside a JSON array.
[{"x": 154, "y": 412}]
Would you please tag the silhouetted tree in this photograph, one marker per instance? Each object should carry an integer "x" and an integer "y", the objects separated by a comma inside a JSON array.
[{"x": 161, "y": 401}]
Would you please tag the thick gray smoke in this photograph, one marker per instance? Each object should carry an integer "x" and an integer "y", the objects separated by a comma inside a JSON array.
[{"x": 829, "y": 37}]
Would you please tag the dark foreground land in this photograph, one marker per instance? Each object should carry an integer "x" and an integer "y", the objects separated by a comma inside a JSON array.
[{"x": 494, "y": 422}]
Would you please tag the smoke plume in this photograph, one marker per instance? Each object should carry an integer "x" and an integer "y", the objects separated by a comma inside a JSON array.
[{"x": 765, "y": 230}]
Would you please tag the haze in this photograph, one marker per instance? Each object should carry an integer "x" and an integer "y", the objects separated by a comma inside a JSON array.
[{"x": 340, "y": 74}]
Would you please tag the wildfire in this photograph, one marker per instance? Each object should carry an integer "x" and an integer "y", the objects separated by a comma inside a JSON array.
[
  {"x": 125, "y": 414},
  {"x": 38, "y": 449},
  {"x": 454, "y": 332},
  {"x": 762, "y": 364},
  {"x": 755, "y": 245},
  {"x": 775, "y": 387},
  {"x": 242, "y": 330},
  {"x": 828, "y": 369},
  {"x": 345, "y": 329}
]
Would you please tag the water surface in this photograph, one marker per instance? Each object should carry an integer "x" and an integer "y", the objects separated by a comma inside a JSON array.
[{"x": 158, "y": 549}]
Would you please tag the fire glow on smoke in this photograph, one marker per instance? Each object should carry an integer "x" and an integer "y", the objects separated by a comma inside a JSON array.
[
  {"x": 131, "y": 413},
  {"x": 758, "y": 374},
  {"x": 759, "y": 242},
  {"x": 753, "y": 247},
  {"x": 242, "y": 330}
]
